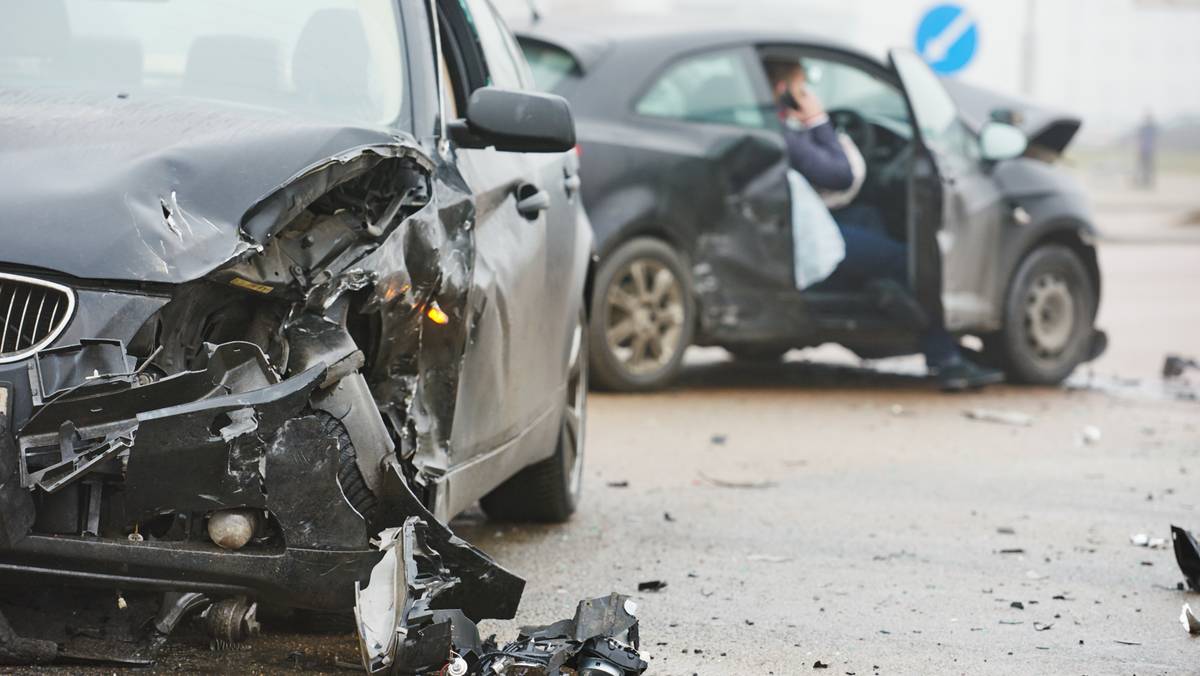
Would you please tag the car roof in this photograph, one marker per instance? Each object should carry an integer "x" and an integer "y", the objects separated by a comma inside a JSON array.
[{"x": 589, "y": 37}]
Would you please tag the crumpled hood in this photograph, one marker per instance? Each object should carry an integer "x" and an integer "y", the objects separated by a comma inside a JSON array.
[
  {"x": 150, "y": 190},
  {"x": 1049, "y": 129}
]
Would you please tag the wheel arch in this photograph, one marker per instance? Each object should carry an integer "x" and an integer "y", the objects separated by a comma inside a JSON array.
[{"x": 1073, "y": 233}]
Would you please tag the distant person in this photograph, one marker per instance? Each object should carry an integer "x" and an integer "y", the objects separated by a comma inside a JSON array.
[
  {"x": 815, "y": 151},
  {"x": 1147, "y": 142}
]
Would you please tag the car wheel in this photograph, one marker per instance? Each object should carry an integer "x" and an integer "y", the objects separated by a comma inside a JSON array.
[
  {"x": 642, "y": 317},
  {"x": 549, "y": 491},
  {"x": 1048, "y": 318}
]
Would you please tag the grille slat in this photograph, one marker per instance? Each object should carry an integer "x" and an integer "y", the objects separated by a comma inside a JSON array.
[{"x": 27, "y": 326}]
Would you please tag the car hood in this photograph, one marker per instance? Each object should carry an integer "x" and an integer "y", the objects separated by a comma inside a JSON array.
[
  {"x": 1049, "y": 129},
  {"x": 155, "y": 189}
]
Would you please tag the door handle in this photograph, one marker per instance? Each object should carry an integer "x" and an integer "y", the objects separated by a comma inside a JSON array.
[
  {"x": 532, "y": 201},
  {"x": 572, "y": 184}
]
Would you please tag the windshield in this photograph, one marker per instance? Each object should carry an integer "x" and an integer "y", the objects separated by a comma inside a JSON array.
[{"x": 333, "y": 58}]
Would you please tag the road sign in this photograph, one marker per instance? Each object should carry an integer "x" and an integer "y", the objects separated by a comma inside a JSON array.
[{"x": 947, "y": 38}]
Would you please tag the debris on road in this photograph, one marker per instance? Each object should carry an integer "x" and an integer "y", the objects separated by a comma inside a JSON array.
[
  {"x": 729, "y": 483},
  {"x": 1187, "y": 555},
  {"x": 618, "y": 484},
  {"x": 1143, "y": 540},
  {"x": 719, "y": 439},
  {"x": 1175, "y": 365},
  {"x": 652, "y": 586},
  {"x": 1090, "y": 436},
  {"x": 408, "y": 625},
  {"x": 1006, "y": 530},
  {"x": 1015, "y": 418},
  {"x": 820, "y": 665},
  {"x": 768, "y": 558},
  {"x": 1189, "y": 620},
  {"x": 1017, "y": 604},
  {"x": 1041, "y": 626}
]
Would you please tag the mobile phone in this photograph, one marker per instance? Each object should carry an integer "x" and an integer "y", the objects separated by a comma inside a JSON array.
[{"x": 788, "y": 100}]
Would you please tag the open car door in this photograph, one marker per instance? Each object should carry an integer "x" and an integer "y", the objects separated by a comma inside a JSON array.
[{"x": 956, "y": 212}]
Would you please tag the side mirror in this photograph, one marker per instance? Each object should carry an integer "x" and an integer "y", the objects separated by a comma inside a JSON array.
[
  {"x": 999, "y": 141},
  {"x": 514, "y": 121}
]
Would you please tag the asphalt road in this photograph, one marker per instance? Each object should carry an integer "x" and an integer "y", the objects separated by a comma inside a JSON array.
[{"x": 826, "y": 510}]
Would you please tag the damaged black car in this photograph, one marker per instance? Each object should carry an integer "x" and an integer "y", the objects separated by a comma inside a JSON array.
[{"x": 273, "y": 282}]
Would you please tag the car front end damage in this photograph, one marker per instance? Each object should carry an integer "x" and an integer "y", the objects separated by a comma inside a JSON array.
[{"x": 229, "y": 403}]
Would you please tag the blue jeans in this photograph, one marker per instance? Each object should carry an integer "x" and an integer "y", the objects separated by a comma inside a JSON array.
[{"x": 871, "y": 254}]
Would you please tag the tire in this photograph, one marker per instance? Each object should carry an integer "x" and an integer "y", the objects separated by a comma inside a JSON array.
[
  {"x": 1049, "y": 318},
  {"x": 354, "y": 487},
  {"x": 640, "y": 330},
  {"x": 549, "y": 491}
]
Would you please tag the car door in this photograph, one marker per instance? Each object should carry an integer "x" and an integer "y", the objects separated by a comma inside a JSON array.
[
  {"x": 958, "y": 211},
  {"x": 509, "y": 376},
  {"x": 726, "y": 186}
]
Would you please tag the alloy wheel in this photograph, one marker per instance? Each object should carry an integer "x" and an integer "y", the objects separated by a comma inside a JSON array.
[{"x": 644, "y": 310}]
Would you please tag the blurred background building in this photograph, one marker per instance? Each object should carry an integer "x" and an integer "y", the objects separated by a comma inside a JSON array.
[{"x": 1113, "y": 62}]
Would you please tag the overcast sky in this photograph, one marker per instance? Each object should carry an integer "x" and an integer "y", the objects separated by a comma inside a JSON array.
[{"x": 1110, "y": 61}]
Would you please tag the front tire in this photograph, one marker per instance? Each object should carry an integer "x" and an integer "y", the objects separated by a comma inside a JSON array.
[
  {"x": 1049, "y": 318},
  {"x": 643, "y": 316},
  {"x": 549, "y": 491}
]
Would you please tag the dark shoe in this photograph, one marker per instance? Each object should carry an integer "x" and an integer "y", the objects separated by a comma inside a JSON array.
[{"x": 961, "y": 375}]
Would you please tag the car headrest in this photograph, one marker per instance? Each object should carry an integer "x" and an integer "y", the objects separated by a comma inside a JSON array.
[
  {"x": 331, "y": 61},
  {"x": 220, "y": 65}
]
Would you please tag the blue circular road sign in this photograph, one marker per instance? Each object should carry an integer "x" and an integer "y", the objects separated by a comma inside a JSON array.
[{"x": 947, "y": 38}]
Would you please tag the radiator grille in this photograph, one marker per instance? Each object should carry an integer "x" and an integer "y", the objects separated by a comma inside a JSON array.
[{"x": 33, "y": 313}]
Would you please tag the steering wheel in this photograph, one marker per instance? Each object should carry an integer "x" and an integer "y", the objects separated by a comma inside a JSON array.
[{"x": 856, "y": 127}]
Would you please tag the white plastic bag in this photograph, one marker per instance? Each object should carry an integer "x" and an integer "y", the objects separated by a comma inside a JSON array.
[{"x": 817, "y": 242}]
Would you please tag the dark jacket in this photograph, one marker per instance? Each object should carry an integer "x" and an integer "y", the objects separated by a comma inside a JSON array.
[{"x": 818, "y": 156}]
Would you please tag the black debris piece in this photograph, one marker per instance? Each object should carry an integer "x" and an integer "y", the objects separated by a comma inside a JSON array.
[
  {"x": 1013, "y": 550},
  {"x": 667, "y": 517},
  {"x": 1175, "y": 365},
  {"x": 1017, "y": 604},
  {"x": 1187, "y": 554},
  {"x": 820, "y": 665},
  {"x": 618, "y": 484},
  {"x": 1006, "y": 530},
  {"x": 719, "y": 439},
  {"x": 652, "y": 586}
]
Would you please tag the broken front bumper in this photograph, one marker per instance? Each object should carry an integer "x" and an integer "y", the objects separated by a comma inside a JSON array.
[{"x": 112, "y": 482}]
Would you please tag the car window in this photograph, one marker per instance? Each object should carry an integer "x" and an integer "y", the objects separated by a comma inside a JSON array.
[
  {"x": 714, "y": 87},
  {"x": 506, "y": 65},
  {"x": 552, "y": 66},
  {"x": 841, "y": 85},
  {"x": 942, "y": 128},
  {"x": 276, "y": 54}
]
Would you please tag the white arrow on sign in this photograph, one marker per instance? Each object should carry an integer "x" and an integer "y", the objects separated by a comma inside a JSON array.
[{"x": 937, "y": 48}]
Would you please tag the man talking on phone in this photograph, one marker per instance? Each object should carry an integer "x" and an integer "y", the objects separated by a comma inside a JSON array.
[{"x": 872, "y": 259}]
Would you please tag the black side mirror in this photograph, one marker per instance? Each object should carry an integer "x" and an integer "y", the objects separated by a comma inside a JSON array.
[{"x": 513, "y": 121}]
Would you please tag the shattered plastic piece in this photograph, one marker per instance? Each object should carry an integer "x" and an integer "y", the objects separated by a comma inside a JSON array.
[
  {"x": 726, "y": 483},
  {"x": 1090, "y": 435},
  {"x": 1143, "y": 540},
  {"x": 1175, "y": 365},
  {"x": 1189, "y": 620},
  {"x": 651, "y": 586},
  {"x": 1040, "y": 626},
  {"x": 1015, "y": 418},
  {"x": 768, "y": 558},
  {"x": 1187, "y": 555}
]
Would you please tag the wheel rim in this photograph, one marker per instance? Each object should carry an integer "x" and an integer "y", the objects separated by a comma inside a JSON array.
[
  {"x": 644, "y": 316},
  {"x": 1049, "y": 315},
  {"x": 575, "y": 416}
]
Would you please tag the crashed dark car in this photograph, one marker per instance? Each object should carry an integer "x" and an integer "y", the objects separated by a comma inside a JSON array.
[
  {"x": 273, "y": 282},
  {"x": 685, "y": 174}
]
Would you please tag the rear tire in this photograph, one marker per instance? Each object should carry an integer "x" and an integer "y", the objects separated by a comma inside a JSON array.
[
  {"x": 549, "y": 491},
  {"x": 1049, "y": 318},
  {"x": 643, "y": 317}
]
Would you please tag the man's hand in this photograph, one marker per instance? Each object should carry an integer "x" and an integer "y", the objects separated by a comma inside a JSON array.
[{"x": 812, "y": 111}]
